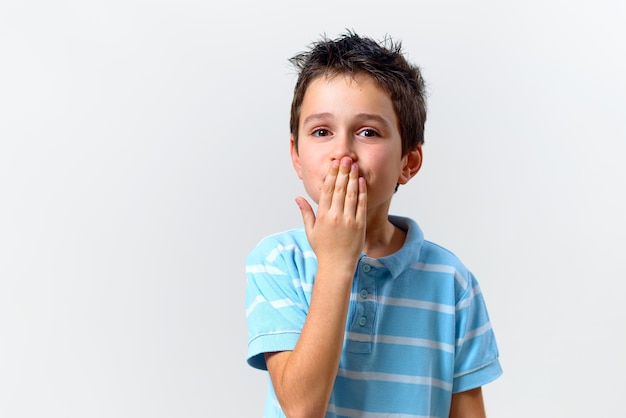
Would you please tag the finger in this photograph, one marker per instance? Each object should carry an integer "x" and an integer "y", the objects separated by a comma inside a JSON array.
[
  {"x": 361, "y": 209},
  {"x": 352, "y": 191},
  {"x": 328, "y": 186},
  {"x": 341, "y": 183},
  {"x": 308, "y": 216}
]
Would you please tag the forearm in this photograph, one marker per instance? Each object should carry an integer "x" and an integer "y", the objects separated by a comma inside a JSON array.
[
  {"x": 303, "y": 378},
  {"x": 468, "y": 404}
]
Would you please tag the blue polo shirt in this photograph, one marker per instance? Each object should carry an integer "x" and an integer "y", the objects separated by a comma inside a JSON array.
[{"x": 417, "y": 328}]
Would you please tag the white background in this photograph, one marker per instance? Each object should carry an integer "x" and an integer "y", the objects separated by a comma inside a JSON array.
[{"x": 144, "y": 151}]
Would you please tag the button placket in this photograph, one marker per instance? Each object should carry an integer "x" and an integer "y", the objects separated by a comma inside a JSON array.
[{"x": 365, "y": 309}]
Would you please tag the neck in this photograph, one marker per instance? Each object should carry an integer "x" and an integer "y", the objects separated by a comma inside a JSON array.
[{"x": 383, "y": 238}]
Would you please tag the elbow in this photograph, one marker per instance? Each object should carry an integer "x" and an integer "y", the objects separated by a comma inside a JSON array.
[
  {"x": 304, "y": 409},
  {"x": 299, "y": 412}
]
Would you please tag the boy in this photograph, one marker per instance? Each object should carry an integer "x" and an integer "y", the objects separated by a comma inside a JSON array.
[{"x": 356, "y": 315}]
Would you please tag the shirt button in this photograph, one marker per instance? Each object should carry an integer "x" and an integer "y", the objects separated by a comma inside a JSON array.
[
  {"x": 364, "y": 294},
  {"x": 367, "y": 268},
  {"x": 362, "y": 321}
]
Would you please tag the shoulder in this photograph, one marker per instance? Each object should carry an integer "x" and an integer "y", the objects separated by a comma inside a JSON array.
[
  {"x": 292, "y": 241},
  {"x": 436, "y": 254},
  {"x": 436, "y": 259}
]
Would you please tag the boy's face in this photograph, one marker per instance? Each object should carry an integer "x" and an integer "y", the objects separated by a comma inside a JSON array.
[{"x": 344, "y": 116}]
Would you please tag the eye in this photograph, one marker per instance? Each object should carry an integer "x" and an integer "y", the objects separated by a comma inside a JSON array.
[
  {"x": 320, "y": 132},
  {"x": 368, "y": 133}
]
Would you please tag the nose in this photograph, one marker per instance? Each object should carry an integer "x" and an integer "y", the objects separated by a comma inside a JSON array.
[{"x": 343, "y": 146}]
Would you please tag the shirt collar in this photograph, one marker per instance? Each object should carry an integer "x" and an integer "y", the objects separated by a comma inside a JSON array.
[{"x": 399, "y": 261}]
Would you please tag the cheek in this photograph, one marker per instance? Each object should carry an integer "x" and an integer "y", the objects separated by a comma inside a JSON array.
[
  {"x": 312, "y": 179},
  {"x": 380, "y": 172},
  {"x": 308, "y": 173}
]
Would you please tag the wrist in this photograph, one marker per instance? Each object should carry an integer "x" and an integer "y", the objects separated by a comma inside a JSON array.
[{"x": 337, "y": 269}]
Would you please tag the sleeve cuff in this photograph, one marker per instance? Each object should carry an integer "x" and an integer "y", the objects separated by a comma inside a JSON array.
[
  {"x": 478, "y": 377},
  {"x": 269, "y": 343}
]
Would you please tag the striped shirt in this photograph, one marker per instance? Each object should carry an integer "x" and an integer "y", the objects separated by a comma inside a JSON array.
[{"x": 417, "y": 329}]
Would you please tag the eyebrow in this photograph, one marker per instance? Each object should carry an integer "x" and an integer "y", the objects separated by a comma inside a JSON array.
[
  {"x": 364, "y": 117},
  {"x": 316, "y": 117},
  {"x": 361, "y": 117}
]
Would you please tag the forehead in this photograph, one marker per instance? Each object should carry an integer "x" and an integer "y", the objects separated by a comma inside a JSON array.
[{"x": 345, "y": 94}]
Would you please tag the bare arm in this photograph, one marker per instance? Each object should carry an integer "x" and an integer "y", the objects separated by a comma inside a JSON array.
[
  {"x": 303, "y": 378},
  {"x": 468, "y": 404}
]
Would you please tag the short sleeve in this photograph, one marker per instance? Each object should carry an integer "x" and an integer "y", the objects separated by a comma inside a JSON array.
[{"x": 476, "y": 354}]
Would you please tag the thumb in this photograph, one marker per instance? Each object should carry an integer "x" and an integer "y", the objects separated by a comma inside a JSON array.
[{"x": 308, "y": 217}]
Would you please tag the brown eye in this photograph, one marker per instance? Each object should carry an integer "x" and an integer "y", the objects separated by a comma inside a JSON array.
[
  {"x": 368, "y": 133},
  {"x": 320, "y": 132}
]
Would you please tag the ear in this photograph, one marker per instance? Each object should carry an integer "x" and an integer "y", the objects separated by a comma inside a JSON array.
[
  {"x": 412, "y": 164},
  {"x": 295, "y": 158}
]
